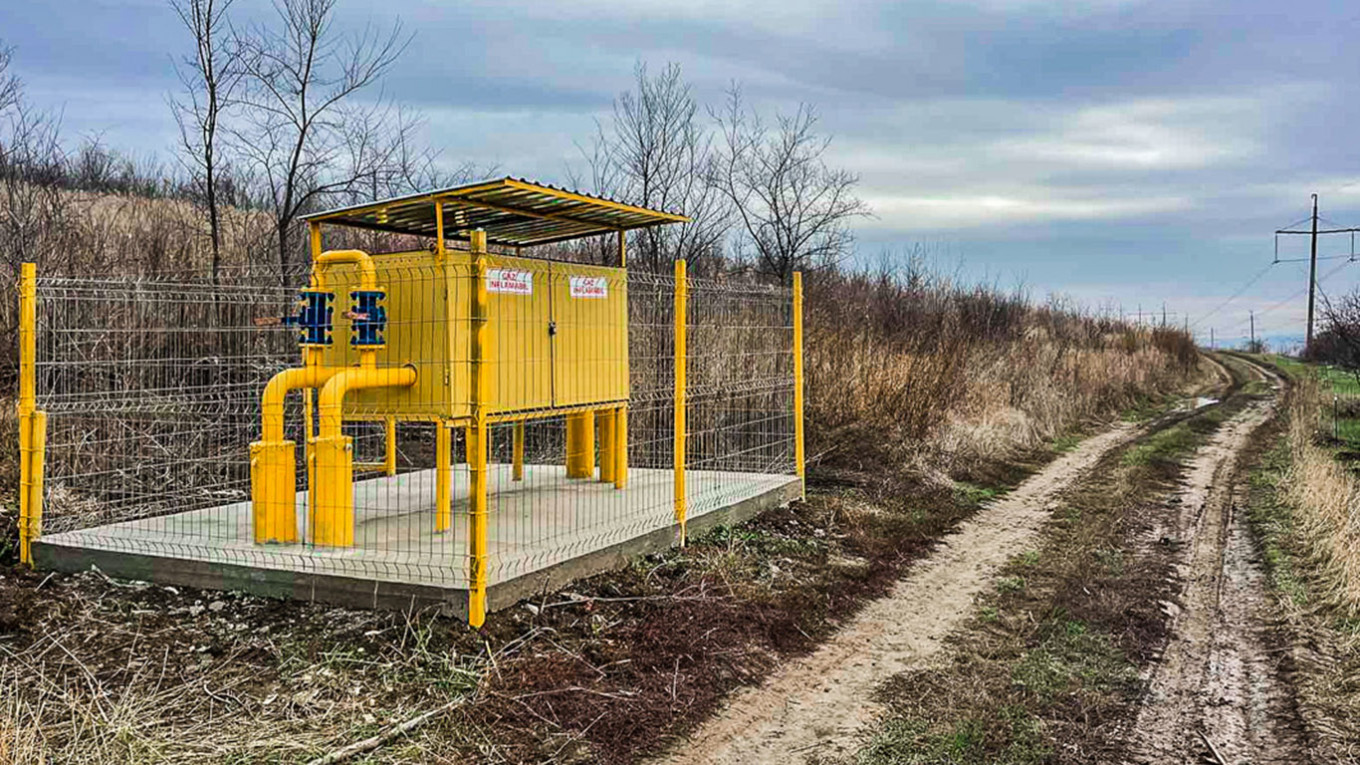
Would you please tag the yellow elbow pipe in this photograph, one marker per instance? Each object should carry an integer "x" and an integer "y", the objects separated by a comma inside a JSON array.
[
  {"x": 356, "y": 378},
  {"x": 368, "y": 273},
  {"x": 271, "y": 403},
  {"x": 332, "y": 522}
]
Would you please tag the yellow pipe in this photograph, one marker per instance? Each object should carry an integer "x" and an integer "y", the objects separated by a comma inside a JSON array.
[
  {"x": 681, "y": 327},
  {"x": 276, "y": 392},
  {"x": 273, "y": 481},
  {"x": 368, "y": 273},
  {"x": 798, "y": 450},
  {"x": 333, "y": 521}
]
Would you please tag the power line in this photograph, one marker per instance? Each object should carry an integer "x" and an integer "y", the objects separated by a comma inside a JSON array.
[{"x": 1235, "y": 295}]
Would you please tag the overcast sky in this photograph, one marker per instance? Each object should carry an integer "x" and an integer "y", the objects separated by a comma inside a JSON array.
[{"x": 1131, "y": 152}]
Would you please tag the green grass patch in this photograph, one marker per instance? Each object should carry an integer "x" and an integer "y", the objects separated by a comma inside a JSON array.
[
  {"x": 1066, "y": 443},
  {"x": 961, "y": 742},
  {"x": 974, "y": 495},
  {"x": 1166, "y": 445},
  {"x": 1072, "y": 659},
  {"x": 1272, "y": 520}
]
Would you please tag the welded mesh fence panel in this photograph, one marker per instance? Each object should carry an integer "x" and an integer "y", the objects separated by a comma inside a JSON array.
[
  {"x": 740, "y": 389},
  {"x": 153, "y": 388}
]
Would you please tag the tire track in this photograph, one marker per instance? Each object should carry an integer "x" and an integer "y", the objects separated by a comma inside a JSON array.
[
  {"x": 1220, "y": 690},
  {"x": 813, "y": 707}
]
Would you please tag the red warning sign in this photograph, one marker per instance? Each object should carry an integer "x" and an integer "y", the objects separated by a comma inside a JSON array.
[
  {"x": 510, "y": 282},
  {"x": 589, "y": 287}
]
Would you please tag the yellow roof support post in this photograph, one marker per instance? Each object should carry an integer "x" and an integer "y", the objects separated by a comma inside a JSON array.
[
  {"x": 681, "y": 328},
  {"x": 623, "y": 249},
  {"x": 439, "y": 250},
  {"x": 479, "y": 371},
  {"x": 798, "y": 449}
]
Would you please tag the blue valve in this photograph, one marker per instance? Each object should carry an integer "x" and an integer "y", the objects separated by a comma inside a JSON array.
[
  {"x": 368, "y": 320},
  {"x": 314, "y": 317}
]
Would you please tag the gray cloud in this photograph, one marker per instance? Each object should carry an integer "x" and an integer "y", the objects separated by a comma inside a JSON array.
[{"x": 1133, "y": 150}]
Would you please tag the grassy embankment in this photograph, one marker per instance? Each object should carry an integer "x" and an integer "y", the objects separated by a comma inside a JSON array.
[
  {"x": 1305, "y": 512},
  {"x": 924, "y": 399}
]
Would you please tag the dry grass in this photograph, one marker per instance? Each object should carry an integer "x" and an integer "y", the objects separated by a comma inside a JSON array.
[
  {"x": 1326, "y": 493},
  {"x": 911, "y": 368}
]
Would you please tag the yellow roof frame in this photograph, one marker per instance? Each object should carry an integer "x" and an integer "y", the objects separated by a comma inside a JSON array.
[{"x": 512, "y": 211}]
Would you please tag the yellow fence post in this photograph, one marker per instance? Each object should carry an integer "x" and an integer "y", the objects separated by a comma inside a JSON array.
[
  {"x": 479, "y": 375},
  {"x": 681, "y": 327},
  {"x": 799, "y": 454},
  {"x": 32, "y": 423}
]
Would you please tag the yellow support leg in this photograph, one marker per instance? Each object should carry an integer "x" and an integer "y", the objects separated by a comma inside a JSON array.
[
  {"x": 333, "y": 520},
  {"x": 607, "y": 445},
  {"x": 443, "y": 477},
  {"x": 273, "y": 491},
  {"x": 621, "y": 448},
  {"x": 581, "y": 445},
  {"x": 517, "y": 473},
  {"x": 390, "y": 456}
]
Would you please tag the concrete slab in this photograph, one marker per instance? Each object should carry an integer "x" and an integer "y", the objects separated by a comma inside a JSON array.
[{"x": 543, "y": 532}]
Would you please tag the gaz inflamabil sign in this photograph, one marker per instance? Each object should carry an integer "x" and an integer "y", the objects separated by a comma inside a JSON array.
[
  {"x": 510, "y": 282},
  {"x": 589, "y": 287}
]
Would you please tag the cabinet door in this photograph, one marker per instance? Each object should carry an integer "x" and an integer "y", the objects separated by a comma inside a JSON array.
[
  {"x": 519, "y": 299},
  {"x": 590, "y": 346}
]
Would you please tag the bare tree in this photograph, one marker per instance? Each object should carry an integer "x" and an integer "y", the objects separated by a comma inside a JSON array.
[
  {"x": 209, "y": 78},
  {"x": 793, "y": 209},
  {"x": 655, "y": 152},
  {"x": 10, "y": 87},
  {"x": 306, "y": 136}
]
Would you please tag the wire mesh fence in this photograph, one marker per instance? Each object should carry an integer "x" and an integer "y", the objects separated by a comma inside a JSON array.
[{"x": 166, "y": 437}]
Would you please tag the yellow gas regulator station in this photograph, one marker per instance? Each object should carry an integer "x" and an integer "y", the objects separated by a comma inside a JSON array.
[{"x": 458, "y": 336}]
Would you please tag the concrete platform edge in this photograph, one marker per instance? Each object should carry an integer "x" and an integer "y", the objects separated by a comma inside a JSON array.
[{"x": 366, "y": 593}]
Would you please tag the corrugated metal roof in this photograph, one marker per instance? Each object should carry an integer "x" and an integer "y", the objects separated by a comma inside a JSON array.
[{"x": 512, "y": 211}]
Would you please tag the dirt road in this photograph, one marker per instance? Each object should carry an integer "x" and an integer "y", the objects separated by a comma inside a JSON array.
[
  {"x": 813, "y": 707},
  {"x": 1221, "y": 690}
]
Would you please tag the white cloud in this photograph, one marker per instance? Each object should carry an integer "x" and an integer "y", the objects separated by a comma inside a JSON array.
[{"x": 955, "y": 210}]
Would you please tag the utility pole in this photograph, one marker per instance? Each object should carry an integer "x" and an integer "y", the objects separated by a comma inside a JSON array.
[
  {"x": 1252, "y": 349},
  {"x": 1312, "y": 279},
  {"x": 1212, "y": 346},
  {"x": 1312, "y": 233},
  {"x": 1163, "y": 314}
]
